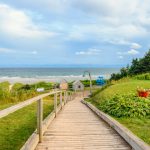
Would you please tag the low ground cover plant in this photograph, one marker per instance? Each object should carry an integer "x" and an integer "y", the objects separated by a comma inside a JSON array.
[{"x": 127, "y": 105}]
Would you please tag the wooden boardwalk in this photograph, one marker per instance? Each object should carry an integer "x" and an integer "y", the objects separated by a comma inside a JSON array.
[{"x": 78, "y": 128}]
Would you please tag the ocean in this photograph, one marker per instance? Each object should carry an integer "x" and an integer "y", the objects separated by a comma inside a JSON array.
[{"x": 31, "y": 75}]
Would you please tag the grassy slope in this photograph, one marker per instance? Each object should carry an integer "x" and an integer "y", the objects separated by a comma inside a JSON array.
[
  {"x": 122, "y": 87},
  {"x": 18, "y": 126},
  {"x": 139, "y": 126}
]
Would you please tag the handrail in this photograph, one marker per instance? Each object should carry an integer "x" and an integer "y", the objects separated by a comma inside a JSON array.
[
  {"x": 68, "y": 95},
  {"x": 16, "y": 107}
]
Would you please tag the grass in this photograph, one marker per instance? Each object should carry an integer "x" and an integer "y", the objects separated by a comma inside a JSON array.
[
  {"x": 122, "y": 87},
  {"x": 3, "y": 106},
  {"x": 17, "y": 127},
  {"x": 139, "y": 126}
]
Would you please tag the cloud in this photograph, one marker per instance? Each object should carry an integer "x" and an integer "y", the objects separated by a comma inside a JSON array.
[
  {"x": 68, "y": 26},
  {"x": 120, "y": 57},
  {"x": 34, "y": 52},
  {"x": 91, "y": 51},
  {"x": 135, "y": 46},
  {"x": 17, "y": 23},
  {"x": 114, "y": 21},
  {"x": 7, "y": 50},
  {"x": 133, "y": 52},
  {"x": 46, "y": 6}
]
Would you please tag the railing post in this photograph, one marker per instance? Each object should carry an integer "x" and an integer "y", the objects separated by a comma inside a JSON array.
[
  {"x": 55, "y": 104},
  {"x": 61, "y": 100},
  {"x": 64, "y": 97},
  {"x": 83, "y": 93},
  {"x": 40, "y": 119},
  {"x": 70, "y": 96}
]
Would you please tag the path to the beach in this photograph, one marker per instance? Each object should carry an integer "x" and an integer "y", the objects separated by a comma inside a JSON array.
[{"x": 78, "y": 128}]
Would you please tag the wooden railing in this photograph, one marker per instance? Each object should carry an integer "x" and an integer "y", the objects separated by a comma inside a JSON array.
[{"x": 67, "y": 95}]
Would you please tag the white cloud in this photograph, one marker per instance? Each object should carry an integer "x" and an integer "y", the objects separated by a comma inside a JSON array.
[
  {"x": 114, "y": 21},
  {"x": 17, "y": 23},
  {"x": 119, "y": 35},
  {"x": 91, "y": 51},
  {"x": 135, "y": 46},
  {"x": 34, "y": 52},
  {"x": 133, "y": 52},
  {"x": 128, "y": 53},
  {"x": 120, "y": 57},
  {"x": 7, "y": 50}
]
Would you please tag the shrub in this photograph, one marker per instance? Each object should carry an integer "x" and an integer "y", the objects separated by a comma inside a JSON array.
[
  {"x": 45, "y": 85},
  {"x": 87, "y": 82},
  {"x": 145, "y": 76},
  {"x": 126, "y": 106}
]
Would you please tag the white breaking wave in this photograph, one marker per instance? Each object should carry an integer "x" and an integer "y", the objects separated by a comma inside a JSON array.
[{"x": 30, "y": 80}]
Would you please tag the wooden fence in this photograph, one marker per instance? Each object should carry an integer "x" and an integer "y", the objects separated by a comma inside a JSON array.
[{"x": 63, "y": 95}]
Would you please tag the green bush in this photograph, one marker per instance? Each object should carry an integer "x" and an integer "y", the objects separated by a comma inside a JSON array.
[
  {"x": 87, "y": 82},
  {"x": 45, "y": 85},
  {"x": 126, "y": 106},
  {"x": 145, "y": 76}
]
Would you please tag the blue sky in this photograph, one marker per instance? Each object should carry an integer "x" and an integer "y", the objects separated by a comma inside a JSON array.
[{"x": 73, "y": 32}]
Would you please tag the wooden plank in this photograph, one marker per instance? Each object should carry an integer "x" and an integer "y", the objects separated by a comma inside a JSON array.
[
  {"x": 33, "y": 140},
  {"x": 61, "y": 100},
  {"x": 55, "y": 104},
  {"x": 40, "y": 119},
  {"x": 77, "y": 127},
  {"x": 135, "y": 142}
]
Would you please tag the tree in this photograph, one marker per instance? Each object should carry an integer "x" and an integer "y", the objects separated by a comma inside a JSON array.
[
  {"x": 135, "y": 68},
  {"x": 138, "y": 66},
  {"x": 145, "y": 62},
  {"x": 124, "y": 72}
]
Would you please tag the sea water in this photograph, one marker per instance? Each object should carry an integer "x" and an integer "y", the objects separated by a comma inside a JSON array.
[{"x": 30, "y": 75}]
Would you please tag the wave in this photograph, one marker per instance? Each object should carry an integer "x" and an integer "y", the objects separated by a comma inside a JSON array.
[{"x": 34, "y": 79}]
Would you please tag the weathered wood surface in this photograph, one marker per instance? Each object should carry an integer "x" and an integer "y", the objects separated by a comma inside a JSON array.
[
  {"x": 78, "y": 128},
  {"x": 135, "y": 142}
]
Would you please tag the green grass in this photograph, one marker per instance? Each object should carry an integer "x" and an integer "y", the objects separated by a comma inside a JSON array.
[
  {"x": 17, "y": 127},
  {"x": 139, "y": 126},
  {"x": 122, "y": 87},
  {"x": 3, "y": 106}
]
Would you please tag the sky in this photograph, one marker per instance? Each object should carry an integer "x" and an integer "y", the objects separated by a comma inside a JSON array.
[{"x": 73, "y": 32}]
